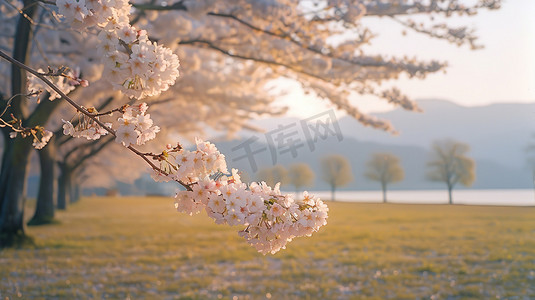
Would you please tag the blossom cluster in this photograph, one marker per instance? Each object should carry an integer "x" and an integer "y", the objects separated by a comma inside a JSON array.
[
  {"x": 189, "y": 167},
  {"x": 64, "y": 83},
  {"x": 39, "y": 143},
  {"x": 83, "y": 14},
  {"x": 133, "y": 64},
  {"x": 135, "y": 126},
  {"x": 271, "y": 219},
  {"x": 40, "y": 136},
  {"x": 85, "y": 127}
]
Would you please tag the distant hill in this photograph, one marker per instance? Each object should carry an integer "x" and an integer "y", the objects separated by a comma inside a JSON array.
[
  {"x": 498, "y": 132},
  {"x": 489, "y": 174}
]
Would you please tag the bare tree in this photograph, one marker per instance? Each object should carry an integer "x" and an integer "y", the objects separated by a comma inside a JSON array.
[
  {"x": 384, "y": 168},
  {"x": 336, "y": 171},
  {"x": 300, "y": 175},
  {"x": 451, "y": 165},
  {"x": 273, "y": 175}
]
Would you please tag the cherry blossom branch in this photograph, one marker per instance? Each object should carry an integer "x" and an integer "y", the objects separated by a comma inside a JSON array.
[
  {"x": 56, "y": 89},
  {"x": 213, "y": 46},
  {"x": 4, "y": 123},
  {"x": 65, "y": 138},
  {"x": 361, "y": 61},
  {"x": 83, "y": 111},
  {"x": 419, "y": 69}
]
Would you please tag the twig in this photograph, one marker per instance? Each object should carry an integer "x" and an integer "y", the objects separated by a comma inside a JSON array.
[
  {"x": 119, "y": 109},
  {"x": 4, "y": 123},
  {"x": 22, "y": 13}
]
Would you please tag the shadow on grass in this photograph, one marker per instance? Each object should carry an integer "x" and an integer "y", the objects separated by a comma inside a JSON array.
[
  {"x": 18, "y": 240},
  {"x": 43, "y": 221}
]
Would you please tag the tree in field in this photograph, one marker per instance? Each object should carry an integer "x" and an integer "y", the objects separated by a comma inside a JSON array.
[
  {"x": 273, "y": 175},
  {"x": 451, "y": 165},
  {"x": 336, "y": 171},
  {"x": 231, "y": 51},
  {"x": 384, "y": 168},
  {"x": 300, "y": 175}
]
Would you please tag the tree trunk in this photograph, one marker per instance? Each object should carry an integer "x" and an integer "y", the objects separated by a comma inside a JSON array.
[
  {"x": 333, "y": 187},
  {"x": 75, "y": 192},
  {"x": 449, "y": 194},
  {"x": 64, "y": 187},
  {"x": 12, "y": 191},
  {"x": 44, "y": 210},
  {"x": 383, "y": 186},
  {"x": 16, "y": 152}
]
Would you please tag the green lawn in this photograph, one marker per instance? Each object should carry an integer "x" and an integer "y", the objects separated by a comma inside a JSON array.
[{"x": 141, "y": 248}]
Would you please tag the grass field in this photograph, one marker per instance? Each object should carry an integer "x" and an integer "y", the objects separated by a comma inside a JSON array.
[{"x": 140, "y": 248}]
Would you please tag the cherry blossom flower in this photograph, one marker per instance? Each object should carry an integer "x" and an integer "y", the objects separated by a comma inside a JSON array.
[
  {"x": 127, "y": 135},
  {"x": 40, "y": 144},
  {"x": 136, "y": 127}
]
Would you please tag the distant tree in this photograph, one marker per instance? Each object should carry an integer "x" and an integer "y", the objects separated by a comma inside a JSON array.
[
  {"x": 273, "y": 175},
  {"x": 384, "y": 168},
  {"x": 300, "y": 175},
  {"x": 451, "y": 165},
  {"x": 336, "y": 171}
]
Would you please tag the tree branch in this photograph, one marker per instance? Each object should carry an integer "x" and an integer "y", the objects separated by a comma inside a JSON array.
[
  {"x": 211, "y": 45},
  {"x": 84, "y": 111},
  {"x": 77, "y": 147},
  {"x": 93, "y": 151}
]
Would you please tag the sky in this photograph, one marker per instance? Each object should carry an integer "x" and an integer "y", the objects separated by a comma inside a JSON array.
[{"x": 504, "y": 71}]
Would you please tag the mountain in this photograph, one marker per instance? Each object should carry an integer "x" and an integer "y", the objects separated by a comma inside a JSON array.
[{"x": 497, "y": 132}]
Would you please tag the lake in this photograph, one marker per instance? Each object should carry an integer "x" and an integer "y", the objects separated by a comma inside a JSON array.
[{"x": 472, "y": 197}]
